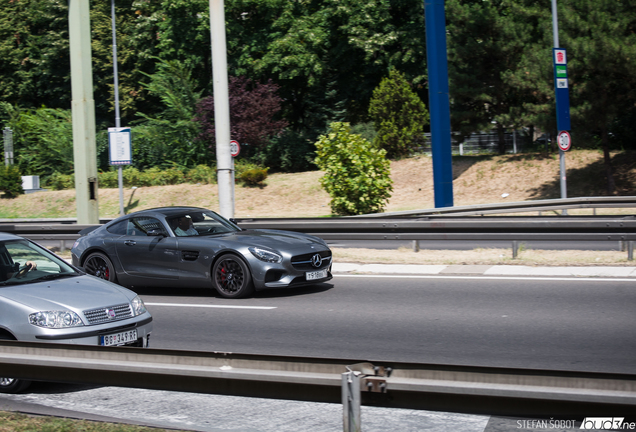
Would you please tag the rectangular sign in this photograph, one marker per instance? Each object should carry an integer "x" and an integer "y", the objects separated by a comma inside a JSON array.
[
  {"x": 120, "y": 148},
  {"x": 561, "y": 90}
]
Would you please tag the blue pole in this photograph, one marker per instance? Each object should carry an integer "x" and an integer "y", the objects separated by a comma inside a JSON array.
[{"x": 439, "y": 102}]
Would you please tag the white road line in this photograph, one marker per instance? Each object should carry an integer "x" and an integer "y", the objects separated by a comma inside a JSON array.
[
  {"x": 210, "y": 306},
  {"x": 538, "y": 278}
]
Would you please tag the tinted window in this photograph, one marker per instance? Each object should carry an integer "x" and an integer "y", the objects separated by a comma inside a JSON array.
[
  {"x": 119, "y": 228},
  {"x": 139, "y": 226}
]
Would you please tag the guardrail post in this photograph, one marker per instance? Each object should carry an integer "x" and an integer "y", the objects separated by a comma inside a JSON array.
[
  {"x": 515, "y": 249},
  {"x": 630, "y": 251},
  {"x": 416, "y": 245},
  {"x": 351, "y": 401}
]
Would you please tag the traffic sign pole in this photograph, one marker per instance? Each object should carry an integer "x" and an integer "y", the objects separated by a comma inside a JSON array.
[{"x": 562, "y": 96}]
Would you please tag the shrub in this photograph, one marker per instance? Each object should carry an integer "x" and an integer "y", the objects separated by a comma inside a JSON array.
[
  {"x": 357, "y": 175},
  {"x": 10, "y": 181},
  {"x": 253, "y": 176},
  {"x": 59, "y": 181},
  {"x": 201, "y": 174},
  {"x": 108, "y": 179}
]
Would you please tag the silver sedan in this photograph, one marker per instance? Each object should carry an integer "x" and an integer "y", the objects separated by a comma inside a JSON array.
[{"x": 43, "y": 298}]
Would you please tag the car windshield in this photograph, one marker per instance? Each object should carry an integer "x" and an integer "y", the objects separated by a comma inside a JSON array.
[
  {"x": 200, "y": 223},
  {"x": 23, "y": 262}
]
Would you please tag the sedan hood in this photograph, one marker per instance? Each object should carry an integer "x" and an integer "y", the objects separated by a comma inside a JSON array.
[
  {"x": 77, "y": 293},
  {"x": 278, "y": 240}
]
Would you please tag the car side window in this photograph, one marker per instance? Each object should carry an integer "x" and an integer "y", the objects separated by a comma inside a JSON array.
[
  {"x": 140, "y": 226},
  {"x": 118, "y": 229}
]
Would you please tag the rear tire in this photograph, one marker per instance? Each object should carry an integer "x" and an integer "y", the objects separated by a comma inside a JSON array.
[
  {"x": 98, "y": 264},
  {"x": 231, "y": 277},
  {"x": 12, "y": 385}
]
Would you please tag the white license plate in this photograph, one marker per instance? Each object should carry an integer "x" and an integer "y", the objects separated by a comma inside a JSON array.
[
  {"x": 316, "y": 275},
  {"x": 118, "y": 338}
]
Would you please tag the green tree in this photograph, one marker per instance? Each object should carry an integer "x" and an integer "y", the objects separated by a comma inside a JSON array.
[
  {"x": 357, "y": 175},
  {"x": 600, "y": 36},
  {"x": 34, "y": 59},
  {"x": 399, "y": 116},
  {"x": 486, "y": 44},
  {"x": 171, "y": 135},
  {"x": 43, "y": 140}
]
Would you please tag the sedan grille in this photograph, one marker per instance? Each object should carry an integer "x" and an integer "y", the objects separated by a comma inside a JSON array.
[
  {"x": 108, "y": 314},
  {"x": 306, "y": 262}
]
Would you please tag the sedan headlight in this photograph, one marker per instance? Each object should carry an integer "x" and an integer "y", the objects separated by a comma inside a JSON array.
[
  {"x": 265, "y": 255},
  {"x": 55, "y": 319},
  {"x": 138, "y": 306}
]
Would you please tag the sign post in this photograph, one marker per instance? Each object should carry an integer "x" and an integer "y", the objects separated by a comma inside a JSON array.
[
  {"x": 562, "y": 97},
  {"x": 120, "y": 153}
]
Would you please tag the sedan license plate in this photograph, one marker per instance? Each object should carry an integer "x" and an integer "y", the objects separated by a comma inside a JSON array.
[
  {"x": 118, "y": 338},
  {"x": 315, "y": 275}
]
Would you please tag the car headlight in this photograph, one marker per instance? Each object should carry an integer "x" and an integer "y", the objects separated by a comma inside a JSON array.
[
  {"x": 265, "y": 255},
  {"x": 138, "y": 306},
  {"x": 55, "y": 319}
]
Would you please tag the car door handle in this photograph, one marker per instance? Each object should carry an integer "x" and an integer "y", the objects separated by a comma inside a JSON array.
[{"x": 130, "y": 242}]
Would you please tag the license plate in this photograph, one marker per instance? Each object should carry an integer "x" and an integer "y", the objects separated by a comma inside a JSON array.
[
  {"x": 316, "y": 275},
  {"x": 118, "y": 338}
]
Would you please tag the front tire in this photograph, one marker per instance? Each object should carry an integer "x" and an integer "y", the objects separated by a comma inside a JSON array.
[
  {"x": 231, "y": 277},
  {"x": 98, "y": 264},
  {"x": 12, "y": 385}
]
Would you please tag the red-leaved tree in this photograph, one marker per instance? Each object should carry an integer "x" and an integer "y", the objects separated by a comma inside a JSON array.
[{"x": 253, "y": 109}]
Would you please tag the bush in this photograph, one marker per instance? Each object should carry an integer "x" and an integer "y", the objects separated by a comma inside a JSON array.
[
  {"x": 249, "y": 173},
  {"x": 357, "y": 175},
  {"x": 10, "y": 181},
  {"x": 201, "y": 174},
  {"x": 108, "y": 179},
  {"x": 289, "y": 152},
  {"x": 253, "y": 176},
  {"x": 59, "y": 181},
  {"x": 157, "y": 177}
]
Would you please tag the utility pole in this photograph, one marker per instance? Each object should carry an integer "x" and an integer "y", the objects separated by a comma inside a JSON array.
[
  {"x": 224, "y": 161},
  {"x": 83, "y": 112}
]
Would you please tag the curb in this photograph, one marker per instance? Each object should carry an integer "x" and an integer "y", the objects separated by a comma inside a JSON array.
[{"x": 485, "y": 270}]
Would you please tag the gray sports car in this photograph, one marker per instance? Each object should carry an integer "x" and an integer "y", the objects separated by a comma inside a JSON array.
[
  {"x": 195, "y": 247},
  {"x": 45, "y": 299}
]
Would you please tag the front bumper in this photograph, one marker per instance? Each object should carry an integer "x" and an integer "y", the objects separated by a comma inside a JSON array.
[{"x": 91, "y": 335}]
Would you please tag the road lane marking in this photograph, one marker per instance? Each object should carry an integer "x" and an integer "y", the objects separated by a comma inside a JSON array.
[
  {"x": 480, "y": 277},
  {"x": 210, "y": 306}
]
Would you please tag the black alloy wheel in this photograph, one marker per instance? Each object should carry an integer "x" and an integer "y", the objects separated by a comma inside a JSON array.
[
  {"x": 98, "y": 264},
  {"x": 12, "y": 385},
  {"x": 232, "y": 278}
]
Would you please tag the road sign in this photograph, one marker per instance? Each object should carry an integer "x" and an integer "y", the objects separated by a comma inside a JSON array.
[
  {"x": 564, "y": 140},
  {"x": 562, "y": 95},
  {"x": 235, "y": 148}
]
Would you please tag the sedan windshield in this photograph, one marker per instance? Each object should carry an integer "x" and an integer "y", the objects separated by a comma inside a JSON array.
[
  {"x": 200, "y": 223},
  {"x": 24, "y": 262}
]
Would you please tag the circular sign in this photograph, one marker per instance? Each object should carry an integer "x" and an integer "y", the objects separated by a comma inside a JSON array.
[
  {"x": 564, "y": 140},
  {"x": 235, "y": 148}
]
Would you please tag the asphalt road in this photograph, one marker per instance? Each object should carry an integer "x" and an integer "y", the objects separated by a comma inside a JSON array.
[{"x": 583, "y": 324}]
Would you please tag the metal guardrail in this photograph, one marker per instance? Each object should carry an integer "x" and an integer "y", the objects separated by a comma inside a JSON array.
[
  {"x": 485, "y": 390},
  {"x": 539, "y": 206},
  {"x": 485, "y": 228}
]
